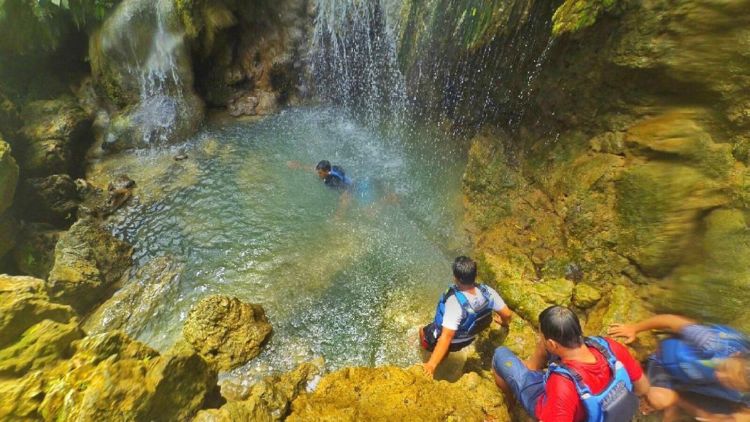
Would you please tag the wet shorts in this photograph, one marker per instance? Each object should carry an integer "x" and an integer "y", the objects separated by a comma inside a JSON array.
[
  {"x": 429, "y": 340},
  {"x": 527, "y": 385}
]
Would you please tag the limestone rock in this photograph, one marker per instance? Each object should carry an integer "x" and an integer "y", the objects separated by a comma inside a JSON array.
[
  {"x": 34, "y": 254},
  {"x": 24, "y": 303},
  {"x": 557, "y": 291},
  {"x": 622, "y": 305},
  {"x": 226, "y": 330},
  {"x": 268, "y": 400},
  {"x": 585, "y": 295},
  {"x": 389, "y": 393},
  {"x": 113, "y": 375},
  {"x": 8, "y": 176},
  {"x": 52, "y": 199},
  {"x": 57, "y": 133},
  {"x": 39, "y": 346},
  {"x": 88, "y": 260},
  {"x": 130, "y": 308},
  {"x": 21, "y": 397}
]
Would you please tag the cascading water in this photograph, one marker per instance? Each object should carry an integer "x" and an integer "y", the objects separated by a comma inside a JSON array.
[{"x": 354, "y": 60}]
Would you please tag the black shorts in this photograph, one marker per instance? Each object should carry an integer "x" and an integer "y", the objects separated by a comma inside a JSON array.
[{"x": 429, "y": 340}]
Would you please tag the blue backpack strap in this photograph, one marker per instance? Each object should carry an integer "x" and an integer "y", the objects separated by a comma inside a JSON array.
[
  {"x": 602, "y": 346},
  {"x": 571, "y": 374},
  {"x": 486, "y": 293}
]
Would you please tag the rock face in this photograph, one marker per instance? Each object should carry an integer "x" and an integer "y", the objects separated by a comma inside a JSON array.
[
  {"x": 130, "y": 308},
  {"x": 88, "y": 260},
  {"x": 8, "y": 182},
  {"x": 226, "y": 331},
  {"x": 389, "y": 393},
  {"x": 35, "y": 252},
  {"x": 141, "y": 63},
  {"x": 57, "y": 133},
  {"x": 52, "y": 199},
  {"x": 268, "y": 400}
]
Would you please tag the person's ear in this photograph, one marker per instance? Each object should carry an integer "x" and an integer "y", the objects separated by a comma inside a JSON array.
[{"x": 551, "y": 345}]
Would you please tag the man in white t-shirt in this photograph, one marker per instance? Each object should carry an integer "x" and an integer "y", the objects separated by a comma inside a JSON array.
[{"x": 464, "y": 310}]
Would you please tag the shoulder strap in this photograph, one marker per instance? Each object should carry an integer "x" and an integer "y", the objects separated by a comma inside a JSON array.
[
  {"x": 486, "y": 293},
  {"x": 570, "y": 373},
  {"x": 602, "y": 347},
  {"x": 461, "y": 298}
]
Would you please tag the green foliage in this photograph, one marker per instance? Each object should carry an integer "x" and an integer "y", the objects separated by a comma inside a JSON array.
[{"x": 40, "y": 25}]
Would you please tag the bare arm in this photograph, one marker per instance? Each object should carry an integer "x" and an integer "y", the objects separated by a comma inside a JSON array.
[
  {"x": 504, "y": 316},
  {"x": 537, "y": 361},
  {"x": 441, "y": 349},
  {"x": 641, "y": 386},
  {"x": 673, "y": 323}
]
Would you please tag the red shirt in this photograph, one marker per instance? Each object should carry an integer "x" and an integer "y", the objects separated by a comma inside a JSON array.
[{"x": 560, "y": 401}]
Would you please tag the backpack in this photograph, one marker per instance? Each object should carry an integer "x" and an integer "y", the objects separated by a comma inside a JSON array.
[
  {"x": 472, "y": 320},
  {"x": 616, "y": 402}
]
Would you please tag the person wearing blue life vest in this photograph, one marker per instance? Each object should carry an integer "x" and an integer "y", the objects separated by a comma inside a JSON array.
[
  {"x": 464, "y": 310},
  {"x": 707, "y": 360},
  {"x": 332, "y": 176},
  {"x": 593, "y": 379}
]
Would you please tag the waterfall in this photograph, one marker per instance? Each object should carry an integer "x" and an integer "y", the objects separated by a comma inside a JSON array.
[{"x": 354, "y": 59}]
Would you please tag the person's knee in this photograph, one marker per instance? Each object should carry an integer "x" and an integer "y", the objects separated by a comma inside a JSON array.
[{"x": 661, "y": 398}]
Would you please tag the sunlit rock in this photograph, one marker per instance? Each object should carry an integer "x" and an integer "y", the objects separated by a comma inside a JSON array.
[
  {"x": 226, "y": 330},
  {"x": 266, "y": 400},
  {"x": 585, "y": 295},
  {"x": 389, "y": 393}
]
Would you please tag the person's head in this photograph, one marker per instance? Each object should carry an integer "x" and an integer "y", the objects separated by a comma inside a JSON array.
[
  {"x": 464, "y": 270},
  {"x": 734, "y": 373},
  {"x": 323, "y": 168},
  {"x": 561, "y": 329}
]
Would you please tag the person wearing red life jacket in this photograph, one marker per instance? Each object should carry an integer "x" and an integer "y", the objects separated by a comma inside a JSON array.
[{"x": 592, "y": 379}]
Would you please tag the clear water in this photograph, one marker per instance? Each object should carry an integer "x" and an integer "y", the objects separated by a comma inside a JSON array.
[{"x": 350, "y": 284}]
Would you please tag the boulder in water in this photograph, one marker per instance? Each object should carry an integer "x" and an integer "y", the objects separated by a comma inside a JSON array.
[
  {"x": 88, "y": 260},
  {"x": 226, "y": 330}
]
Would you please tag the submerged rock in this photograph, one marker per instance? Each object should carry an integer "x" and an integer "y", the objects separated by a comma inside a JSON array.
[
  {"x": 88, "y": 260},
  {"x": 389, "y": 393},
  {"x": 268, "y": 400},
  {"x": 226, "y": 330},
  {"x": 57, "y": 133}
]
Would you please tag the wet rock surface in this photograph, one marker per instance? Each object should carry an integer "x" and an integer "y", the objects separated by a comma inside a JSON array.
[
  {"x": 226, "y": 330},
  {"x": 53, "y": 199},
  {"x": 88, "y": 260}
]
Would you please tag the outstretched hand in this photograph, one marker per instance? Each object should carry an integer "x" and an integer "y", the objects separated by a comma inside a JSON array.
[
  {"x": 429, "y": 369},
  {"x": 625, "y": 331}
]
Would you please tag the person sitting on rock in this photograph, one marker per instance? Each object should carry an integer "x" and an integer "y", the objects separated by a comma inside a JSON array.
[
  {"x": 704, "y": 360},
  {"x": 464, "y": 310},
  {"x": 587, "y": 379}
]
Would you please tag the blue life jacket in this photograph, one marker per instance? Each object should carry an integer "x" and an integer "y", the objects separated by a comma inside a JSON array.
[
  {"x": 695, "y": 368},
  {"x": 342, "y": 180},
  {"x": 472, "y": 320},
  {"x": 616, "y": 402}
]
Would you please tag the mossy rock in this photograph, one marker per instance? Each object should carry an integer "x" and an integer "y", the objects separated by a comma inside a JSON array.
[
  {"x": 8, "y": 232},
  {"x": 557, "y": 291},
  {"x": 574, "y": 15},
  {"x": 53, "y": 199},
  {"x": 39, "y": 346},
  {"x": 622, "y": 305},
  {"x": 24, "y": 303},
  {"x": 226, "y": 331},
  {"x": 88, "y": 260},
  {"x": 95, "y": 386},
  {"x": 390, "y": 393},
  {"x": 22, "y": 397},
  {"x": 34, "y": 254},
  {"x": 585, "y": 295},
  {"x": 8, "y": 177},
  {"x": 267, "y": 400}
]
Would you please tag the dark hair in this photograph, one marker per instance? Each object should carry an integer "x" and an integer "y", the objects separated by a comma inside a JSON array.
[
  {"x": 324, "y": 165},
  {"x": 561, "y": 325},
  {"x": 465, "y": 270}
]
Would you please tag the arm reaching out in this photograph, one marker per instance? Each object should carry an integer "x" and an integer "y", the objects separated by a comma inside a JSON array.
[
  {"x": 503, "y": 317},
  {"x": 672, "y": 323},
  {"x": 441, "y": 349}
]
